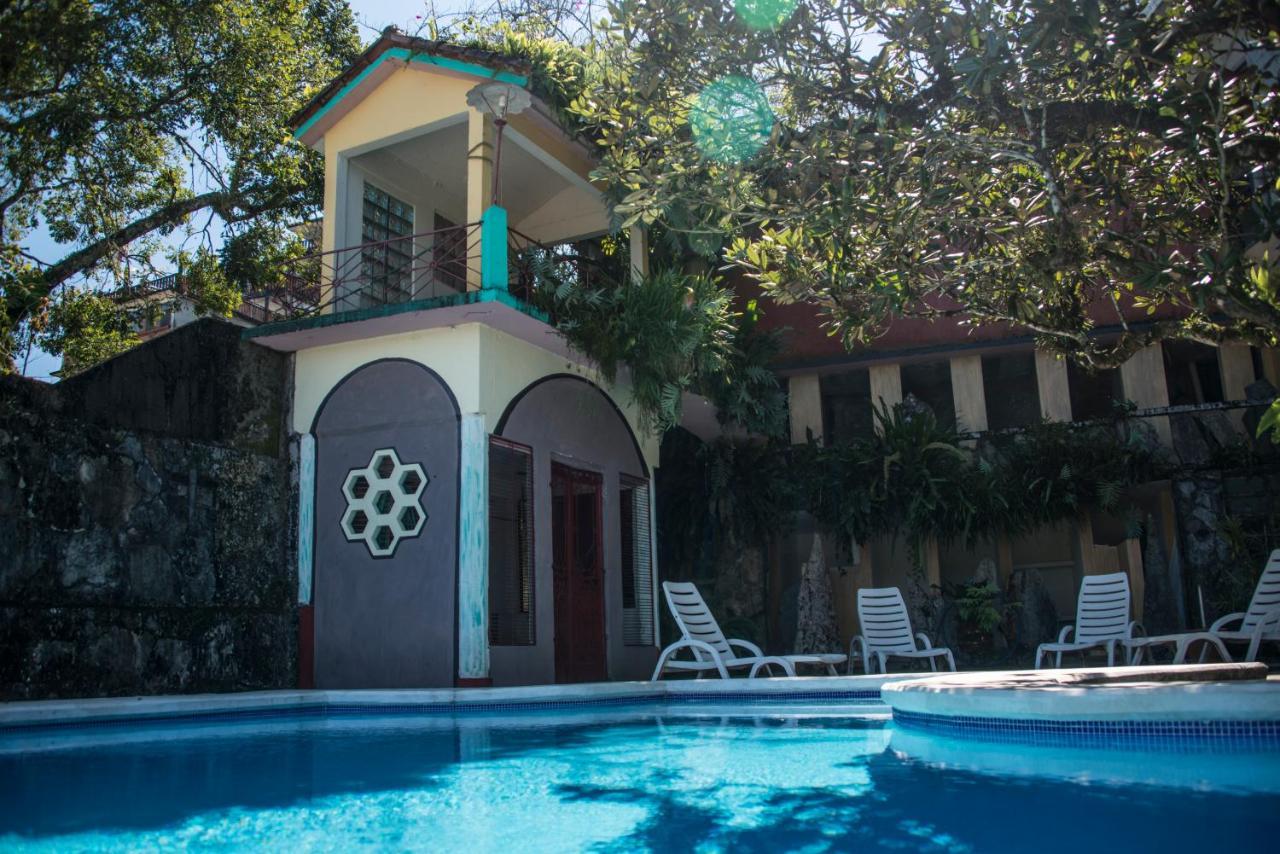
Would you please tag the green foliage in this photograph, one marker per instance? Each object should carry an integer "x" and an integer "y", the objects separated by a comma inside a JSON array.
[
  {"x": 913, "y": 480},
  {"x": 675, "y": 332},
  {"x": 1042, "y": 163},
  {"x": 86, "y": 328},
  {"x": 1270, "y": 422},
  {"x": 254, "y": 259},
  {"x": 121, "y": 120},
  {"x": 976, "y": 604}
]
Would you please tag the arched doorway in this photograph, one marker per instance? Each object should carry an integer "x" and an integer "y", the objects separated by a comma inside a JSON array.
[{"x": 386, "y": 523}]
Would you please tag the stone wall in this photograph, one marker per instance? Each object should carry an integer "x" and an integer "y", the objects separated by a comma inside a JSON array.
[
  {"x": 1228, "y": 522},
  {"x": 146, "y": 533}
]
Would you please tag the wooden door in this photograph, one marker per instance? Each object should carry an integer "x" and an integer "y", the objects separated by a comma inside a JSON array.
[{"x": 577, "y": 564}]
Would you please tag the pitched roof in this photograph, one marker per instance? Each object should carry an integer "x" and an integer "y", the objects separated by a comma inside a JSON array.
[{"x": 392, "y": 38}]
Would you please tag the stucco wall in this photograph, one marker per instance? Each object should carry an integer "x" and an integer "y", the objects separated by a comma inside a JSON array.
[
  {"x": 570, "y": 421},
  {"x": 484, "y": 367}
]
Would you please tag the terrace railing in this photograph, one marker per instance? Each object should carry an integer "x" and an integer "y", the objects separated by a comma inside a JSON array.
[
  {"x": 485, "y": 255},
  {"x": 401, "y": 269}
]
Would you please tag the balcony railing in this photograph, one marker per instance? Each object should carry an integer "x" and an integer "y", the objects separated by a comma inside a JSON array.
[
  {"x": 384, "y": 272},
  {"x": 422, "y": 266}
]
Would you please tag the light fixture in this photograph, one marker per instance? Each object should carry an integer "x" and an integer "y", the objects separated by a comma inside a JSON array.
[{"x": 498, "y": 100}]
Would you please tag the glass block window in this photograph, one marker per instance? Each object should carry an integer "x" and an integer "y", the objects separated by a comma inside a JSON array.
[
  {"x": 387, "y": 255},
  {"x": 511, "y": 583},
  {"x": 637, "y": 562},
  {"x": 384, "y": 502}
]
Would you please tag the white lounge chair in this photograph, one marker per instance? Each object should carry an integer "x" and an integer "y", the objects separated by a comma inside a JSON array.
[
  {"x": 1262, "y": 621},
  {"x": 1102, "y": 619},
  {"x": 700, "y": 633},
  {"x": 886, "y": 632}
]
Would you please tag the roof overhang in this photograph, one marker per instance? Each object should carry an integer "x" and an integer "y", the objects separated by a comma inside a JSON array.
[{"x": 393, "y": 51}]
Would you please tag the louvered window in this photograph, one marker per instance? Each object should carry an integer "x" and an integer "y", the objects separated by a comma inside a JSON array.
[
  {"x": 511, "y": 617},
  {"x": 637, "y": 562},
  {"x": 386, "y": 257}
]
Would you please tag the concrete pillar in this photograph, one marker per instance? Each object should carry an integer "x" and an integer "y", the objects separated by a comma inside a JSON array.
[
  {"x": 473, "y": 553},
  {"x": 1055, "y": 391},
  {"x": 968, "y": 393},
  {"x": 306, "y": 553},
  {"x": 1236, "y": 363},
  {"x": 479, "y": 178},
  {"x": 639, "y": 253},
  {"x": 335, "y": 196},
  {"x": 1131, "y": 563},
  {"x": 1143, "y": 379},
  {"x": 306, "y": 514},
  {"x": 1271, "y": 365},
  {"x": 804, "y": 394},
  {"x": 886, "y": 387}
]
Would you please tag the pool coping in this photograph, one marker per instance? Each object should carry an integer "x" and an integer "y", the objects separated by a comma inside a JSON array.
[
  {"x": 24, "y": 714},
  {"x": 1167, "y": 693}
]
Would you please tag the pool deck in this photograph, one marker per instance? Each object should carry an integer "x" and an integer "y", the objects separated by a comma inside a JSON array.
[
  {"x": 856, "y": 689},
  {"x": 1168, "y": 693}
]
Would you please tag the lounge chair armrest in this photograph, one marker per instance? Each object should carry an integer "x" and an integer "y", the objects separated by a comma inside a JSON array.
[
  {"x": 747, "y": 645},
  {"x": 1136, "y": 630},
  {"x": 1065, "y": 633},
  {"x": 1221, "y": 623},
  {"x": 924, "y": 640}
]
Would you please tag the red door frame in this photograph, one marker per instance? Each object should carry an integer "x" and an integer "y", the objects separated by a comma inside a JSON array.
[{"x": 567, "y": 591}]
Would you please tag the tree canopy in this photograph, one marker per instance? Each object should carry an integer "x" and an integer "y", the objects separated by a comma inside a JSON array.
[
  {"x": 1061, "y": 166},
  {"x": 123, "y": 120}
]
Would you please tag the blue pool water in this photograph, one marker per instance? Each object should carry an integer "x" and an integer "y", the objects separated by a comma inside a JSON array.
[{"x": 677, "y": 778}]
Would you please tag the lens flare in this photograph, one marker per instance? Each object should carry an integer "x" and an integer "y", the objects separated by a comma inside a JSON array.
[
  {"x": 731, "y": 119},
  {"x": 764, "y": 14}
]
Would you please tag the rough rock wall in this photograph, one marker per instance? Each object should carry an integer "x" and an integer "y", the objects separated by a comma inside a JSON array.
[{"x": 133, "y": 562}]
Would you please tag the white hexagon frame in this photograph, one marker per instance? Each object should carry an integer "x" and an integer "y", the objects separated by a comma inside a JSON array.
[{"x": 384, "y": 502}]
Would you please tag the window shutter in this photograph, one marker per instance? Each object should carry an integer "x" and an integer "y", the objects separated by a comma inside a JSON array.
[
  {"x": 511, "y": 593},
  {"x": 637, "y": 562}
]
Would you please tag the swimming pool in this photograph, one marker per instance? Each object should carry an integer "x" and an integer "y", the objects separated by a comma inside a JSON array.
[{"x": 653, "y": 776}]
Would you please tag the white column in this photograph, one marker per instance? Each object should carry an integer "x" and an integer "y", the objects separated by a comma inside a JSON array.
[
  {"x": 473, "y": 551},
  {"x": 1142, "y": 377},
  {"x": 306, "y": 515},
  {"x": 968, "y": 393},
  {"x": 1236, "y": 363},
  {"x": 886, "y": 387},
  {"x": 1055, "y": 391},
  {"x": 804, "y": 403},
  {"x": 639, "y": 253},
  {"x": 480, "y": 139}
]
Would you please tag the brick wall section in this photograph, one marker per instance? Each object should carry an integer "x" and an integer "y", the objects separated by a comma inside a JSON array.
[{"x": 146, "y": 541}]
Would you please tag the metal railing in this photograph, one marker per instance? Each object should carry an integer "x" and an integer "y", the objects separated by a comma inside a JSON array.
[{"x": 382, "y": 272}]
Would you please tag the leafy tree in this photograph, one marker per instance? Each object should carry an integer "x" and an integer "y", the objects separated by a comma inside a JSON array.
[
  {"x": 1044, "y": 163},
  {"x": 122, "y": 120}
]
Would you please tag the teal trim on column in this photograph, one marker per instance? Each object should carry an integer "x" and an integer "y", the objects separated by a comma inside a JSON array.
[
  {"x": 493, "y": 249},
  {"x": 306, "y": 514},
  {"x": 473, "y": 550}
]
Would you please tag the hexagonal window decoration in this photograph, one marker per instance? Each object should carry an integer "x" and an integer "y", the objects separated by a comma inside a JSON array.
[
  {"x": 410, "y": 520},
  {"x": 384, "y": 502}
]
